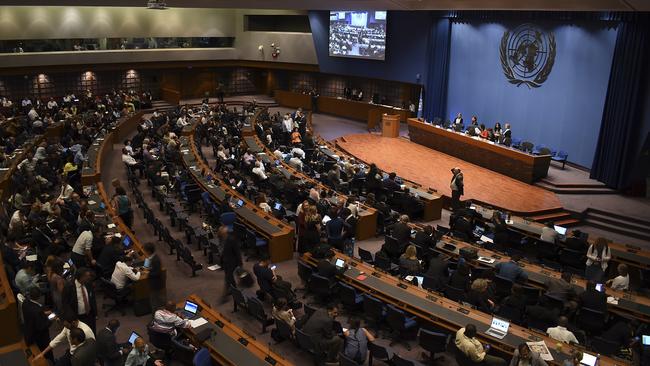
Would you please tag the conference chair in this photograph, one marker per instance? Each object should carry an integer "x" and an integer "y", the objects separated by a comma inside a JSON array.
[
  {"x": 162, "y": 341},
  {"x": 346, "y": 361},
  {"x": 605, "y": 346},
  {"x": 380, "y": 353},
  {"x": 526, "y": 146},
  {"x": 591, "y": 321},
  {"x": 119, "y": 297},
  {"x": 255, "y": 242},
  {"x": 552, "y": 302},
  {"x": 365, "y": 256},
  {"x": 256, "y": 309},
  {"x": 238, "y": 298},
  {"x": 304, "y": 272},
  {"x": 561, "y": 157},
  {"x": 385, "y": 264},
  {"x": 454, "y": 293},
  {"x": 282, "y": 331},
  {"x": 305, "y": 342},
  {"x": 511, "y": 313},
  {"x": 532, "y": 294},
  {"x": 322, "y": 287},
  {"x": 202, "y": 358},
  {"x": 503, "y": 286},
  {"x": 430, "y": 283},
  {"x": 461, "y": 358},
  {"x": 349, "y": 297},
  {"x": 398, "y": 360},
  {"x": 574, "y": 259},
  {"x": 433, "y": 342},
  {"x": 374, "y": 311},
  {"x": 400, "y": 324},
  {"x": 309, "y": 310}
]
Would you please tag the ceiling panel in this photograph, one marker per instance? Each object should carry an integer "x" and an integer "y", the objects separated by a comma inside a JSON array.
[{"x": 569, "y": 5}]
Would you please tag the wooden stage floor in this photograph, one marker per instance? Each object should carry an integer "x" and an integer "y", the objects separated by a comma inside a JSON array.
[{"x": 431, "y": 168}]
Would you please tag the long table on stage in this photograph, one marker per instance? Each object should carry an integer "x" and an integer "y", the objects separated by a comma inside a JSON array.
[
  {"x": 353, "y": 109},
  {"x": 499, "y": 158}
]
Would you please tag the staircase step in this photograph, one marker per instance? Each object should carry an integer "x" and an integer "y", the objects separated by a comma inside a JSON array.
[
  {"x": 616, "y": 220},
  {"x": 616, "y": 228},
  {"x": 568, "y": 222},
  {"x": 575, "y": 190},
  {"x": 551, "y": 216},
  {"x": 595, "y": 184},
  {"x": 622, "y": 218}
]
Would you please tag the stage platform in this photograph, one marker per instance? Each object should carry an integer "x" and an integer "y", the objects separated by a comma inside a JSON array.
[{"x": 432, "y": 169}]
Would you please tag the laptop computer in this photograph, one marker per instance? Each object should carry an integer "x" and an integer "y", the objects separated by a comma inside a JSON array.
[
  {"x": 599, "y": 287},
  {"x": 126, "y": 242},
  {"x": 588, "y": 360},
  {"x": 499, "y": 328},
  {"x": 133, "y": 337},
  {"x": 190, "y": 310},
  {"x": 561, "y": 230},
  {"x": 278, "y": 206},
  {"x": 340, "y": 263},
  {"x": 645, "y": 340}
]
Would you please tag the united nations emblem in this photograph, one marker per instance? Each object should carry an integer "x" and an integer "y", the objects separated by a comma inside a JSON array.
[{"x": 527, "y": 55}]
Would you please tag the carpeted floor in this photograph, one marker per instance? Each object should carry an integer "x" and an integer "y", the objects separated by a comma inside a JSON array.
[{"x": 432, "y": 169}]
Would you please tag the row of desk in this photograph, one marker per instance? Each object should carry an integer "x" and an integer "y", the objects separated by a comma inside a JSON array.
[
  {"x": 429, "y": 197},
  {"x": 228, "y": 344},
  {"x": 367, "y": 223},
  {"x": 621, "y": 253},
  {"x": 499, "y": 158},
  {"x": 433, "y": 308},
  {"x": 352, "y": 109},
  {"x": 280, "y": 235}
]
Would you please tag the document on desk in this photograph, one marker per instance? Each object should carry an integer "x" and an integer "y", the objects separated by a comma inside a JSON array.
[
  {"x": 540, "y": 347},
  {"x": 195, "y": 323},
  {"x": 612, "y": 300}
]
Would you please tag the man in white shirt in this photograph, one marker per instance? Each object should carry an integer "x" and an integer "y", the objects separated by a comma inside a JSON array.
[
  {"x": 298, "y": 151},
  {"x": 295, "y": 162},
  {"x": 122, "y": 273},
  {"x": 549, "y": 234},
  {"x": 131, "y": 162},
  {"x": 82, "y": 249},
  {"x": 52, "y": 104},
  {"x": 166, "y": 321},
  {"x": 561, "y": 333},
  {"x": 181, "y": 122},
  {"x": 259, "y": 171},
  {"x": 69, "y": 321}
]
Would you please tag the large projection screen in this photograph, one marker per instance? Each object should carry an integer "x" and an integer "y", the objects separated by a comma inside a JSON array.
[{"x": 358, "y": 34}]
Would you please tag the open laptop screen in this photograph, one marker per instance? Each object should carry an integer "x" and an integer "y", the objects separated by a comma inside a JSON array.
[
  {"x": 561, "y": 230},
  {"x": 191, "y": 307},
  {"x": 588, "y": 360},
  {"x": 133, "y": 337},
  {"x": 500, "y": 324}
]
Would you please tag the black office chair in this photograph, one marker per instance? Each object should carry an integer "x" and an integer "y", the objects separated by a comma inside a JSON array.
[
  {"x": 605, "y": 346},
  {"x": 305, "y": 342},
  {"x": 282, "y": 331},
  {"x": 532, "y": 294},
  {"x": 365, "y": 256},
  {"x": 380, "y": 353},
  {"x": 238, "y": 299},
  {"x": 398, "y": 360},
  {"x": 430, "y": 283},
  {"x": 349, "y": 297},
  {"x": 385, "y": 264},
  {"x": 162, "y": 341},
  {"x": 256, "y": 309},
  {"x": 400, "y": 324},
  {"x": 322, "y": 287},
  {"x": 119, "y": 297},
  {"x": 511, "y": 313},
  {"x": 591, "y": 321},
  {"x": 503, "y": 286},
  {"x": 552, "y": 302},
  {"x": 574, "y": 259},
  {"x": 346, "y": 361},
  {"x": 461, "y": 358},
  {"x": 304, "y": 272},
  {"x": 454, "y": 293},
  {"x": 374, "y": 311},
  {"x": 309, "y": 310},
  {"x": 433, "y": 342}
]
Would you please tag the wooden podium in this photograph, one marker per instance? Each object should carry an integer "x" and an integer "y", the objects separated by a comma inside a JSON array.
[{"x": 390, "y": 125}]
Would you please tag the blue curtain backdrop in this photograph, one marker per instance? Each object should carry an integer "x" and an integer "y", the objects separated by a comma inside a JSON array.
[
  {"x": 619, "y": 138},
  {"x": 435, "y": 101}
]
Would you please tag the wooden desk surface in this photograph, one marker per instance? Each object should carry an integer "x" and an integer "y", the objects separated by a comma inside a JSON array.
[
  {"x": 11, "y": 331},
  {"x": 19, "y": 354},
  {"x": 499, "y": 158},
  {"x": 279, "y": 234},
  {"x": 367, "y": 225},
  {"x": 622, "y": 253},
  {"x": 434, "y": 308},
  {"x": 226, "y": 346}
]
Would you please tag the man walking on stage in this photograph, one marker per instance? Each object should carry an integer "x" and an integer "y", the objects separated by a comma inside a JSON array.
[{"x": 456, "y": 187}]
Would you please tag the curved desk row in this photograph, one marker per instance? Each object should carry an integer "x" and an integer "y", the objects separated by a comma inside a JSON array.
[
  {"x": 622, "y": 253},
  {"x": 228, "y": 344},
  {"x": 367, "y": 224},
  {"x": 626, "y": 304},
  {"x": 225, "y": 345},
  {"x": 279, "y": 234},
  {"x": 433, "y": 308},
  {"x": 429, "y": 197}
]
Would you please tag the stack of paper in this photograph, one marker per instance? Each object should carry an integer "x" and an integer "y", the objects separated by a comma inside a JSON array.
[{"x": 540, "y": 347}]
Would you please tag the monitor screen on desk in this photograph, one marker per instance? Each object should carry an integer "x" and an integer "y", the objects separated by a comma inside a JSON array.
[{"x": 645, "y": 340}]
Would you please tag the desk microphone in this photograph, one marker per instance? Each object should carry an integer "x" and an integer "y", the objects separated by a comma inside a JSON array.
[{"x": 268, "y": 358}]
